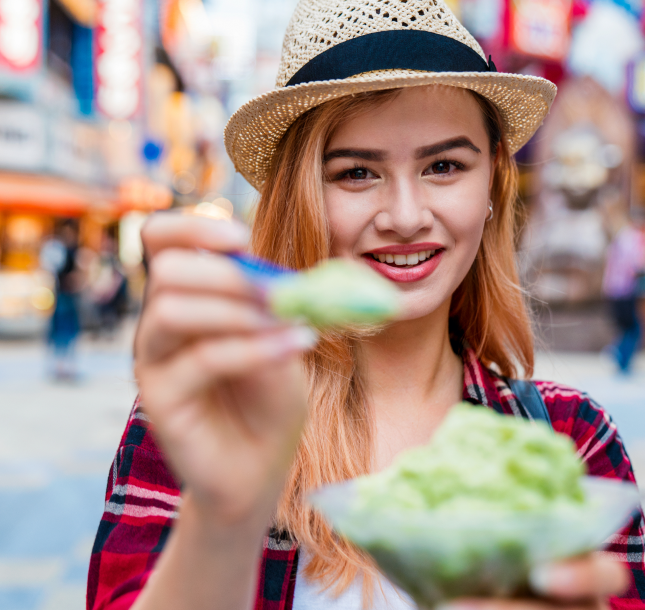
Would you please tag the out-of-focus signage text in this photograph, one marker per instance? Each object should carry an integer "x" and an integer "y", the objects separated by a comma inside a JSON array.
[
  {"x": 21, "y": 34},
  {"x": 73, "y": 149},
  {"x": 540, "y": 28},
  {"x": 23, "y": 137},
  {"x": 119, "y": 60}
]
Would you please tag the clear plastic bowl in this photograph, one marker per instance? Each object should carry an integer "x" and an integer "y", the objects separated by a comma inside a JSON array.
[{"x": 436, "y": 556}]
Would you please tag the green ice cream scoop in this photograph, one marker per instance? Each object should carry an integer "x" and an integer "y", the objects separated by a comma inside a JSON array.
[{"x": 335, "y": 293}]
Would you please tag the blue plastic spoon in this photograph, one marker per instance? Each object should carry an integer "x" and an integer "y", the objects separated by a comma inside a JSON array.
[{"x": 259, "y": 270}]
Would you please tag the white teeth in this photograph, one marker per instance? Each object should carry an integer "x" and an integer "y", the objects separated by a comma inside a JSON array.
[{"x": 403, "y": 259}]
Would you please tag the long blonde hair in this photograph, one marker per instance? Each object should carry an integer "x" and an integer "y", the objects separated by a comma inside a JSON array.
[{"x": 488, "y": 312}]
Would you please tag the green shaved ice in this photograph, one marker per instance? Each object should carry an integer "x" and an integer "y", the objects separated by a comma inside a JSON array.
[
  {"x": 481, "y": 462},
  {"x": 472, "y": 513},
  {"x": 335, "y": 293}
]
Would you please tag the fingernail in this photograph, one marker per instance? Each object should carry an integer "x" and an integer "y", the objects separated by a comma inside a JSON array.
[
  {"x": 550, "y": 579},
  {"x": 301, "y": 337}
]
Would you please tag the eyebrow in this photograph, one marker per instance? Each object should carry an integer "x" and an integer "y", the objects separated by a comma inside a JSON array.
[
  {"x": 421, "y": 153},
  {"x": 439, "y": 147},
  {"x": 351, "y": 153}
]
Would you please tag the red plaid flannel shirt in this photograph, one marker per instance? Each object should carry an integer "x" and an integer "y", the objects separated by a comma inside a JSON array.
[{"x": 142, "y": 499}]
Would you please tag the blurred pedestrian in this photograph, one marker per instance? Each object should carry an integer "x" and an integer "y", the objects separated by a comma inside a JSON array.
[
  {"x": 59, "y": 256},
  {"x": 109, "y": 288},
  {"x": 624, "y": 266}
]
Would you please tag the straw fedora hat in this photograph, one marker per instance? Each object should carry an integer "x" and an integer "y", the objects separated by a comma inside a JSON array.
[{"x": 334, "y": 48}]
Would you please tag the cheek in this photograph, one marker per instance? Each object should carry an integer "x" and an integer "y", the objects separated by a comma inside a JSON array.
[
  {"x": 466, "y": 248},
  {"x": 466, "y": 223},
  {"x": 346, "y": 221},
  {"x": 464, "y": 218}
]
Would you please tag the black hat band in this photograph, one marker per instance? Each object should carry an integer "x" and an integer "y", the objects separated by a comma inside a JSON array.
[{"x": 392, "y": 50}]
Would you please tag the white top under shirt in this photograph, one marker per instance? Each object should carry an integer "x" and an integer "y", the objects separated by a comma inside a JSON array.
[{"x": 307, "y": 596}]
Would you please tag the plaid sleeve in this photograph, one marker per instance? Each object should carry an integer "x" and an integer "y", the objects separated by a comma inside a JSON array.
[
  {"x": 599, "y": 445},
  {"x": 141, "y": 502}
]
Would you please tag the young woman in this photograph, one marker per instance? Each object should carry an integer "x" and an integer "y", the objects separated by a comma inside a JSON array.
[{"x": 388, "y": 141}]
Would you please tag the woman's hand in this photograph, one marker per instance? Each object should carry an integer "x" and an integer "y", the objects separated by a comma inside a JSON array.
[
  {"x": 583, "y": 583},
  {"x": 218, "y": 375}
]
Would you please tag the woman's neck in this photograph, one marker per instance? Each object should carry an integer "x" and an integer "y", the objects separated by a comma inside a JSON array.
[{"x": 412, "y": 378}]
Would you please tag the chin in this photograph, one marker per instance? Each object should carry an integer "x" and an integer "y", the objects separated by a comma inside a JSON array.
[{"x": 417, "y": 307}]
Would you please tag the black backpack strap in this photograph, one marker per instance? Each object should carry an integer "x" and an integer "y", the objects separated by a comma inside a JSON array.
[{"x": 530, "y": 399}]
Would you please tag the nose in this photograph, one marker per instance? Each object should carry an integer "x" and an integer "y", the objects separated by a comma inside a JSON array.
[{"x": 405, "y": 210}]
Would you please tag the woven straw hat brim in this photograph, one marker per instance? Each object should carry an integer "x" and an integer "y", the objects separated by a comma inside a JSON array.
[{"x": 253, "y": 132}]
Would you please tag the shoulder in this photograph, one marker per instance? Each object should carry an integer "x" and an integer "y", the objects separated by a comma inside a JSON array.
[
  {"x": 138, "y": 431},
  {"x": 569, "y": 407},
  {"x": 141, "y": 486},
  {"x": 590, "y": 426},
  {"x": 140, "y": 460},
  {"x": 141, "y": 491}
]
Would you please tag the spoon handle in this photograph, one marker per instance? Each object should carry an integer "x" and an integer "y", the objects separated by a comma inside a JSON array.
[{"x": 257, "y": 269}]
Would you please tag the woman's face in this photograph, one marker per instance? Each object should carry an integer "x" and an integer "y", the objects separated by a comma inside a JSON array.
[{"x": 406, "y": 191}]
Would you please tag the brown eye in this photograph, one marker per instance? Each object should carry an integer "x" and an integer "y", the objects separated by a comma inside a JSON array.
[
  {"x": 442, "y": 167},
  {"x": 359, "y": 173}
]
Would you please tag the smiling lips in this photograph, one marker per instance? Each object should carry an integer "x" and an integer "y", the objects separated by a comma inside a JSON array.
[{"x": 405, "y": 263}]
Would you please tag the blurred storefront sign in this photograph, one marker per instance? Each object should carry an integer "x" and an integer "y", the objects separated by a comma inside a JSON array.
[
  {"x": 52, "y": 196},
  {"x": 21, "y": 35},
  {"x": 61, "y": 197},
  {"x": 234, "y": 28},
  {"x": 82, "y": 65},
  {"x": 31, "y": 140},
  {"x": 119, "y": 58},
  {"x": 604, "y": 43},
  {"x": 23, "y": 137},
  {"x": 210, "y": 42},
  {"x": 74, "y": 150},
  {"x": 540, "y": 28}
]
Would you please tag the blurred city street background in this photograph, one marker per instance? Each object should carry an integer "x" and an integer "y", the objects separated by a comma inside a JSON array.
[{"x": 113, "y": 109}]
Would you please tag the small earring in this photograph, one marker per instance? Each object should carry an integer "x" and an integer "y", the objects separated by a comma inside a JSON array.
[{"x": 490, "y": 207}]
